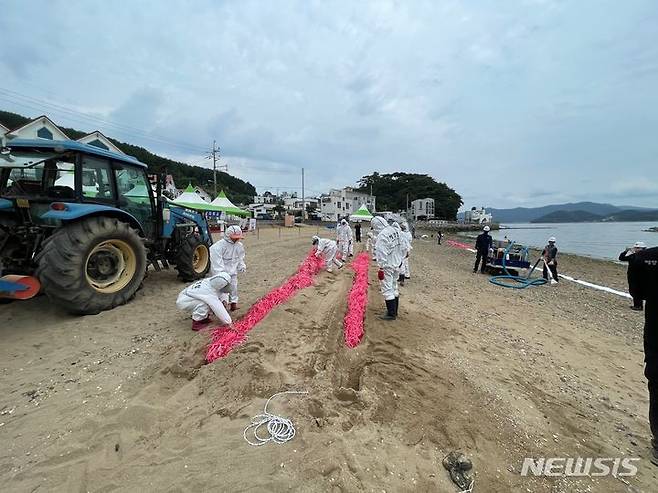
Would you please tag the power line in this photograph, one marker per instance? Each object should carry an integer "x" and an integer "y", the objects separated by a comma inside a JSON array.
[
  {"x": 39, "y": 105},
  {"x": 111, "y": 130},
  {"x": 94, "y": 119}
]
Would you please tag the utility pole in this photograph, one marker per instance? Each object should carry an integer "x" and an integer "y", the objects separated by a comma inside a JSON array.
[
  {"x": 214, "y": 155},
  {"x": 303, "y": 198},
  {"x": 407, "y": 214}
]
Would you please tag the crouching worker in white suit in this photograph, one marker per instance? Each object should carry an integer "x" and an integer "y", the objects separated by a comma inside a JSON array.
[
  {"x": 202, "y": 297},
  {"x": 326, "y": 249},
  {"x": 227, "y": 255}
]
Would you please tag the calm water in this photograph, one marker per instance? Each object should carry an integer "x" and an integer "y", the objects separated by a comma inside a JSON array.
[{"x": 599, "y": 240}]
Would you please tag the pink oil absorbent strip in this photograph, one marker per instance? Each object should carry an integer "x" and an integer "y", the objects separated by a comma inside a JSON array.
[
  {"x": 457, "y": 244},
  {"x": 357, "y": 301},
  {"x": 225, "y": 340}
]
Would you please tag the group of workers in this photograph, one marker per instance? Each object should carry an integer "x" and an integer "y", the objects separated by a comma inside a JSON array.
[
  {"x": 390, "y": 241},
  {"x": 484, "y": 243},
  {"x": 217, "y": 293}
]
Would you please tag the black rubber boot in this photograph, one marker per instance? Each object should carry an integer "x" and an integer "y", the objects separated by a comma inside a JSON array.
[
  {"x": 390, "y": 310},
  {"x": 397, "y": 305},
  {"x": 401, "y": 279}
]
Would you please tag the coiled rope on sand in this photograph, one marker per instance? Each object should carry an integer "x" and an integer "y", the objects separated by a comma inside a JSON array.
[{"x": 279, "y": 429}]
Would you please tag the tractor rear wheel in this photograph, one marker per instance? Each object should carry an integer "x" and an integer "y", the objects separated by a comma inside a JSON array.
[
  {"x": 193, "y": 258},
  {"x": 92, "y": 265}
]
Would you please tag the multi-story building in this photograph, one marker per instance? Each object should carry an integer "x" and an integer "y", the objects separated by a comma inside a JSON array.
[
  {"x": 422, "y": 208},
  {"x": 477, "y": 215},
  {"x": 339, "y": 203},
  {"x": 266, "y": 198}
]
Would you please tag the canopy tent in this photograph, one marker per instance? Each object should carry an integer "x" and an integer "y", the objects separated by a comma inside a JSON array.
[
  {"x": 223, "y": 204},
  {"x": 361, "y": 214},
  {"x": 190, "y": 199}
]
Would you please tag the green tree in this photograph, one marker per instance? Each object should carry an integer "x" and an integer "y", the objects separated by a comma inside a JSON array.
[{"x": 392, "y": 190}]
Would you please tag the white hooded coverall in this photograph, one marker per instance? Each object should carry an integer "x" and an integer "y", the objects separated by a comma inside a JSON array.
[
  {"x": 390, "y": 250},
  {"x": 327, "y": 250},
  {"x": 408, "y": 237},
  {"x": 377, "y": 224},
  {"x": 228, "y": 256},
  {"x": 202, "y": 296},
  {"x": 344, "y": 238}
]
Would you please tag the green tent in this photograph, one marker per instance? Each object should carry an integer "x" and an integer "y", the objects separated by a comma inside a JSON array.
[
  {"x": 362, "y": 214},
  {"x": 190, "y": 199},
  {"x": 223, "y": 204}
]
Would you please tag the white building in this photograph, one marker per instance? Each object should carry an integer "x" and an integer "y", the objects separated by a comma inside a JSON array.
[
  {"x": 43, "y": 127},
  {"x": 477, "y": 215},
  {"x": 340, "y": 203},
  {"x": 295, "y": 204},
  {"x": 266, "y": 198},
  {"x": 422, "y": 208},
  {"x": 262, "y": 209},
  {"x": 97, "y": 139}
]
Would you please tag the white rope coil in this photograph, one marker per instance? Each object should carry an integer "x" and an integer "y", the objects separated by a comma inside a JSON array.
[{"x": 279, "y": 429}]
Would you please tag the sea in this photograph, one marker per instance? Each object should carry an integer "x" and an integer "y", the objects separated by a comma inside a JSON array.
[{"x": 598, "y": 240}]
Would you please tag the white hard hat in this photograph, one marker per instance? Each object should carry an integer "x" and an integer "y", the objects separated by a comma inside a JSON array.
[
  {"x": 343, "y": 221},
  {"x": 233, "y": 233},
  {"x": 551, "y": 239},
  {"x": 487, "y": 228},
  {"x": 640, "y": 244}
]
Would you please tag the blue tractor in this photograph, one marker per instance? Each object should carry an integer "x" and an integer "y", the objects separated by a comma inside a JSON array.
[{"x": 87, "y": 224}]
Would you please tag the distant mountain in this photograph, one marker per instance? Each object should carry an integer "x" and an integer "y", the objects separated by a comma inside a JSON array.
[
  {"x": 588, "y": 217},
  {"x": 633, "y": 215},
  {"x": 529, "y": 214},
  {"x": 569, "y": 217}
]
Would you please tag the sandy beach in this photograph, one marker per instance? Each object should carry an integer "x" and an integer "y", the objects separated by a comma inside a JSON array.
[{"x": 122, "y": 401}]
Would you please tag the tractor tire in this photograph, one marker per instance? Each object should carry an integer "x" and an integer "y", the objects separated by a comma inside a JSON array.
[
  {"x": 193, "y": 258},
  {"x": 92, "y": 265}
]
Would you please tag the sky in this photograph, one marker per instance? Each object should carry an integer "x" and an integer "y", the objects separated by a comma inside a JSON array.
[{"x": 511, "y": 103}]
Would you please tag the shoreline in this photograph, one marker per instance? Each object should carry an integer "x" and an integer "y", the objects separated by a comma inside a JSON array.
[
  {"x": 606, "y": 272},
  {"x": 560, "y": 252}
]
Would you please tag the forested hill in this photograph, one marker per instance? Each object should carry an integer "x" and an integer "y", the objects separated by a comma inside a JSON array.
[
  {"x": 587, "y": 217},
  {"x": 393, "y": 190},
  {"x": 237, "y": 190}
]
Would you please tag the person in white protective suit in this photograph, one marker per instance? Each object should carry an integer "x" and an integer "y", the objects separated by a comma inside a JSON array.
[
  {"x": 377, "y": 224},
  {"x": 408, "y": 237},
  {"x": 202, "y": 297},
  {"x": 227, "y": 255},
  {"x": 344, "y": 239},
  {"x": 326, "y": 249},
  {"x": 390, "y": 250},
  {"x": 369, "y": 241}
]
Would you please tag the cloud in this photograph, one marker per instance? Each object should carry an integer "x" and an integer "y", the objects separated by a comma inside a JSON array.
[{"x": 473, "y": 93}]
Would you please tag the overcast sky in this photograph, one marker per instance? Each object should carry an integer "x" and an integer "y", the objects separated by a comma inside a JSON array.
[{"x": 512, "y": 103}]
